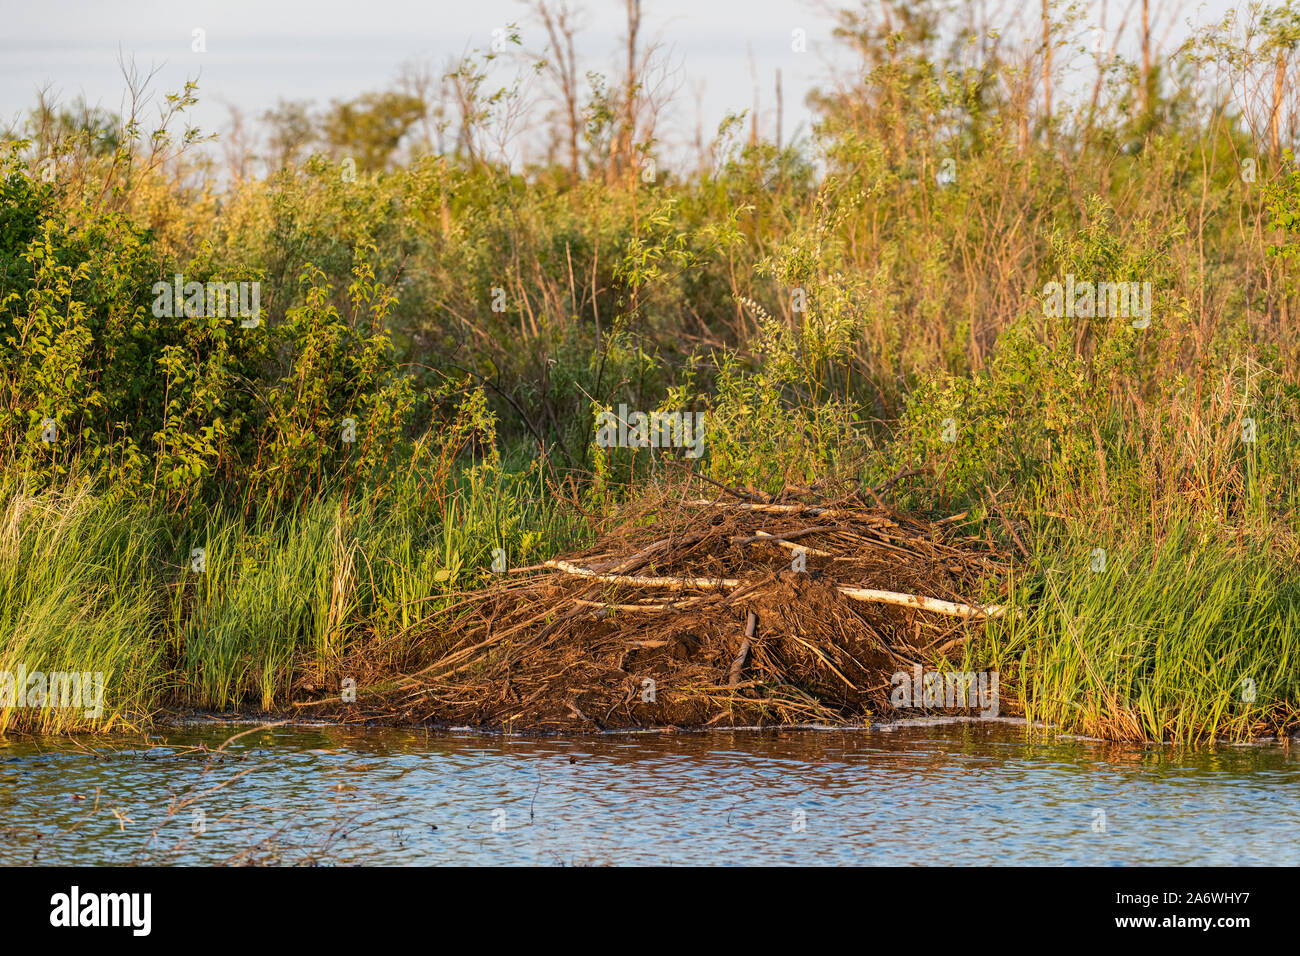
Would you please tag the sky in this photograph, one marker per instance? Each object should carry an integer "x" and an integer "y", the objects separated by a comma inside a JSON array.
[{"x": 258, "y": 51}]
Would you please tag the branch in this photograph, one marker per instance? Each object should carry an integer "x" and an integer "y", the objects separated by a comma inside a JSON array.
[{"x": 896, "y": 598}]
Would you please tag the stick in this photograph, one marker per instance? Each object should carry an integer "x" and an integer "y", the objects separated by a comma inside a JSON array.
[
  {"x": 775, "y": 509},
  {"x": 738, "y": 665},
  {"x": 993, "y": 500},
  {"x": 785, "y": 535},
  {"x": 822, "y": 657},
  {"x": 899, "y": 477},
  {"x": 780, "y": 539},
  {"x": 677, "y": 584},
  {"x": 717, "y": 484},
  {"x": 950, "y": 608},
  {"x": 642, "y": 556},
  {"x": 638, "y": 607}
]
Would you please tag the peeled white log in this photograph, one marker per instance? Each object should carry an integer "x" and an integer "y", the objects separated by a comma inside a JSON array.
[
  {"x": 950, "y": 608},
  {"x": 935, "y": 605},
  {"x": 676, "y": 584}
]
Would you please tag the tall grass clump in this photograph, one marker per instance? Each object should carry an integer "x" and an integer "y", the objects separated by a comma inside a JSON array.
[
  {"x": 80, "y": 592},
  {"x": 1194, "y": 639},
  {"x": 283, "y": 598}
]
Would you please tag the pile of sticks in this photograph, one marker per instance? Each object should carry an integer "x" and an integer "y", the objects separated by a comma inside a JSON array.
[{"x": 695, "y": 612}]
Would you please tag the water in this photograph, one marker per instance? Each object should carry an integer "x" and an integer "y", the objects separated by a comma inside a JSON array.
[{"x": 971, "y": 793}]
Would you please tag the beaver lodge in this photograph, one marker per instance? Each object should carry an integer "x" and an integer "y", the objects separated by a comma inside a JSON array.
[{"x": 695, "y": 613}]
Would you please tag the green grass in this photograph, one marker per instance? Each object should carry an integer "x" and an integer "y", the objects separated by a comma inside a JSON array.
[
  {"x": 80, "y": 591},
  {"x": 1186, "y": 639},
  {"x": 89, "y": 583}
]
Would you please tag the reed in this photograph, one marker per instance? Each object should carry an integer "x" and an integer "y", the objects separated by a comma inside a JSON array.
[
  {"x": 80, "y": 592},
  {"x": 1192, "y": 638}
]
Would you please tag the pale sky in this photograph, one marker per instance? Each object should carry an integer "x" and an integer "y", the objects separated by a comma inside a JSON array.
[{"x": 261, "y": 50}]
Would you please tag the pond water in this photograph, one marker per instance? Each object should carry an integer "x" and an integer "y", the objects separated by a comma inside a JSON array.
[{"x": 956, "y": 793}]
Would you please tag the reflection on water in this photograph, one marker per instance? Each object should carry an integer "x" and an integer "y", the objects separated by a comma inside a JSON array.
[{"x": 951, "y": 794}]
